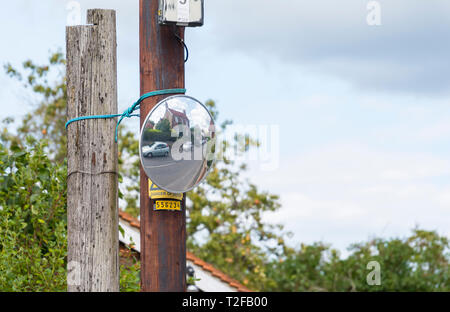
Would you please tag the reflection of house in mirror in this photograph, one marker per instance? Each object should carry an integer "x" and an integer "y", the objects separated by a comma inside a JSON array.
[
  {"x": 176, "y": 117},
  {"x": 212, "y": 129}
]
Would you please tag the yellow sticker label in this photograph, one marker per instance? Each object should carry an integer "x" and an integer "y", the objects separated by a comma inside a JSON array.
[
  {"x": 155, "y": 192},
  {"x": 167, "y": 205}
]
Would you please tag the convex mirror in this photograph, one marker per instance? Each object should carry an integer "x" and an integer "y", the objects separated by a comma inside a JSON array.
[{"x": 177, "y": 143}]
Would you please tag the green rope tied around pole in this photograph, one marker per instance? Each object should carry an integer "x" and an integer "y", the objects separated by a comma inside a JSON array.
[{"x": 128, "y": 112}]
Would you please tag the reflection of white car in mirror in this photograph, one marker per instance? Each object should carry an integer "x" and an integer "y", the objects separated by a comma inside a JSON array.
[
  {"x": 155, "y": 149},
  {"x": 187, "y": 146}
]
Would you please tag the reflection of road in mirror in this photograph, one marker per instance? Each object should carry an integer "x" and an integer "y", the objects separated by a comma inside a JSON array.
[
  {"x": 179, "y": 173},
  {"x": 175, "y": 175}
]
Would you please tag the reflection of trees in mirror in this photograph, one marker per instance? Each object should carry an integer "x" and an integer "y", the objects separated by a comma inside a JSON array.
[
  {"x": 153, "y": 135},
  {"x": 163, "y": 125}
]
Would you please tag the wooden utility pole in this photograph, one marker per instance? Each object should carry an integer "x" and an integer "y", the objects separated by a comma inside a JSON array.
[
  {"x": 92, "y": 182},
  {"x": 163, "y": 233}
]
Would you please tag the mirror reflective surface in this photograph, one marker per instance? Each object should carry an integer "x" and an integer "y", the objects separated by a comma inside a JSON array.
[{"x": 177, "y": 143}]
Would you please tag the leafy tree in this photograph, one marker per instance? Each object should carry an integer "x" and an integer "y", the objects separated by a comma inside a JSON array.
[
  {"x": 420, "y": 262},
  {"x": 129, "y": 164},
  {"x": 225, "y": 218},
  {"x": 47, "y": 119}
]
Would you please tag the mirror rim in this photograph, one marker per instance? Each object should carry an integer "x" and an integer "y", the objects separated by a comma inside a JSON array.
[{"x": 142, "y": 131}]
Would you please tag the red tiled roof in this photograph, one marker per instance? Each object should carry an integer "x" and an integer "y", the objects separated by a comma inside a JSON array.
[
  {"x": 197, "y": 261},
  {"x": 177, "y": 113}
]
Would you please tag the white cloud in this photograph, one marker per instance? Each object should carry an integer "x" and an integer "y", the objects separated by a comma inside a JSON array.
[
  {"x": 406, "y": 53},
  {"x": 200, "y": 117},
  {"x": 443, "y": 198},
  {"x": 344, "y": 193},
  {"x": 440, "y": 130}
]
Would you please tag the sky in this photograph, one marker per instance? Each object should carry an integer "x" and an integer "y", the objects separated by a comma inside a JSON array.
[{"x": 362, "y": 110}]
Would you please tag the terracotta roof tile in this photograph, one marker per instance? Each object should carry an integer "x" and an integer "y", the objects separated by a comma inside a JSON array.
[
  {"x": 197, "y": 261},
  {"x": 126, "y": 216},
  {"x": 178, "y": 114},
  {"x": 135, "y": 224}
]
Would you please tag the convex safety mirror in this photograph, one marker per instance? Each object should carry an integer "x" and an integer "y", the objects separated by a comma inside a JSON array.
[{"x": 177, "y": 144}]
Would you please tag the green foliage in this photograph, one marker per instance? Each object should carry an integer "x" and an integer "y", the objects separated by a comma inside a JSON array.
[
  {"x": 130, "y": 278},
  {"x": 225, "y": 225},
  {"x": 163, "y": 125},
  {"x": 129, "y": 272},
  {"x": 129, "y": 171},
  {"x": 420, "y": 262},
  {"x": 47, "y": 119},
  {"x": 33, "y": 224},
  {"x": 33, "y": 243},
  {"x": 154, "y": 135}
]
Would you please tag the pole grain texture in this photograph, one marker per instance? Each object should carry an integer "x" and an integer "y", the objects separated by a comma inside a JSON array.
[
  {"x": 92, "y": 182},
  {"x": 163, "y": 233}
]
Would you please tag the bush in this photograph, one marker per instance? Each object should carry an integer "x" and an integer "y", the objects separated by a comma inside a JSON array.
[
  {"x": 420, "y": 262},
  {"x": 33, "y": 243},
  {"x": 33, "y": 224}
]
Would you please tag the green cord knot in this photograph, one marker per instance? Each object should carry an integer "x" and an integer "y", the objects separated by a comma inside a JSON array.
[{"x": 129, "y": 111}]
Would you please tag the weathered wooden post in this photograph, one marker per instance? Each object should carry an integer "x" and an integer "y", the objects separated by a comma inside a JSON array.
[{"x": 92, "y": 181}]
